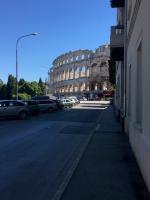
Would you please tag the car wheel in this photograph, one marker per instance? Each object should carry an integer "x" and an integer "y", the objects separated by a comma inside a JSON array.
[{"x": 22, "y": 115}]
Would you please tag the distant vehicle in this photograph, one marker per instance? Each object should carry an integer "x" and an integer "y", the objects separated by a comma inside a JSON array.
[
  {"x": 67, "y": 103},
  {"x": 33, "y": 107},
  {"x": 59, "y": 104},
  {"x": 74, "y": 99},
  {"x": 82, "y": 98},
  {"x": 44, "y": 97},
  {"x": 47, "y": 105},
  {"x": 13, "y": 108},
  {"x": 108, "y": 94}
]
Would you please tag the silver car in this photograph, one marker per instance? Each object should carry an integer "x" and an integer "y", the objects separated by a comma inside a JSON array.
[
  {"x": 13, "y": 108},
  {"x": 47, "y": 105}
]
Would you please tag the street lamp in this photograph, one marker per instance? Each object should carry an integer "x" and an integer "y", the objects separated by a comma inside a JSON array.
[{"x": 23, "y": 36}]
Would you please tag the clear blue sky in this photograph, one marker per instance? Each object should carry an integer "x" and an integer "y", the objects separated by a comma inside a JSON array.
[{"x": 63, "y": 25}]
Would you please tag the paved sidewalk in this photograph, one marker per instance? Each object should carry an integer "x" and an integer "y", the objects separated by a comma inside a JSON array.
[{"x": 107, "y": 169}]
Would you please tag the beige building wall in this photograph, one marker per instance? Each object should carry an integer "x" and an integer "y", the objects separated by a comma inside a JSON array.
[
  {"x": 138, "y": 83},
  {"x": 118, "y": 88},
  {"x": 117, "y": 55}
]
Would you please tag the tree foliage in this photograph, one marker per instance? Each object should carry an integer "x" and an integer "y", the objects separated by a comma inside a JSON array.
[
  {"x": 26, "y": 89},
  {"x": 1, "y": 83},
  {"x": 3, "y": 92},
  {"x": 42, "y": 87},
  {"x": 21, "y": 82},
  {"x": 11, "y": 86}
]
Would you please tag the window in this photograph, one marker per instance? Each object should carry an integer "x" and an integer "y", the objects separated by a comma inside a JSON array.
[
  {"x": 11, "y": 103},
  {"x": 139, "y": 86},
  {"x": 87, "y": 71},
  {"x": 83, "y": 71},
  {"x": 77, "y": 58},
  {"x": 129, "y": 92},
  {"x": 82, "y": 57},
  {"x": 15, "y": 103}
]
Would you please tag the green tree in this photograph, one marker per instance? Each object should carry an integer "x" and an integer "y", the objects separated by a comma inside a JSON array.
[
  {"x": 30, "y": 88},
  {"x": 21, "y": 82},
  {"x": 11, "y": 86},
  {"x": 36, "y": 88},
  {"x": 1, "y": 83},
  {"x": 22, "y": 96},
  {"x": 26, "y": 88},
  {"x": 42, "y": 87},
  {"x": 3, "y": 92},
  {"x": 21, "y": 85}
]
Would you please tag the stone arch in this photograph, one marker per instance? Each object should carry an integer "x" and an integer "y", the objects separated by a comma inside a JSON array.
[
  {"x": 82, "y": 87},
  {"x": 77, "y": 58},
  {"x": 83, "y": 71},
  {"x": 67, "y": 74},
  {"x": 82, "y": 56},
  {"x": 87, "y": 72},
  {"x": 71, "y": 73},
  {"x": 75, "y": 88},
  {"x": 77, "y": 72}
]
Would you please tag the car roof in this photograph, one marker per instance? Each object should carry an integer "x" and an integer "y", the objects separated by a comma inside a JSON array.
[
  {"x": 11, "y": 100},
  {"x": 66, "y": 99}
]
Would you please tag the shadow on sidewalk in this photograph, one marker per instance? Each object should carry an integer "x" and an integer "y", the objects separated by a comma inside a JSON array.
[{"x": 107, "y": 169}]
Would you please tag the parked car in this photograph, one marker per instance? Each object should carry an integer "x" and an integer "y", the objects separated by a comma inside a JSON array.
[
  {"x": 33, "y": 107},
  {"x": 58, "y": 103},
  {"x": 38, "y": 98},
  {"x": 67, "y": 102},
  {"x": 82, "y": 98},
  {"x": 13, "y": 108},
  {"x": 47, "y": 105},
  {"x": 74, "y": 100}
]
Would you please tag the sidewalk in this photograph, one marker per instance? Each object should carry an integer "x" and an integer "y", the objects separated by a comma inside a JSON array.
[{"x": 107, "y": 169}]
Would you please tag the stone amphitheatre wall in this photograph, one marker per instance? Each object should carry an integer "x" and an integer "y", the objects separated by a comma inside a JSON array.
[{"x": 78, "y": 72}]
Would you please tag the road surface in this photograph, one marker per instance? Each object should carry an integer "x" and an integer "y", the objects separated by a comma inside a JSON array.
[{"x": 36, "y": 154}]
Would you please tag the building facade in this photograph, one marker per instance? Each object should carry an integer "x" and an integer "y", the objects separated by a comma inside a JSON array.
[
  {"x": 136, "y": 93},
  {"x": 117, "y": 60},
  {"x": 80, "y": 72}
]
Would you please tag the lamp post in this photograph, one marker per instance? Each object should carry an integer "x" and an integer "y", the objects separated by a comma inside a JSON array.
[{"x": 23, "y": 36}]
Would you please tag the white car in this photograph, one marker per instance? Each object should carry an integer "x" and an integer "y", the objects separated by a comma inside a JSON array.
[
  {"x": 67, "y": 102},
  {"x": 74, "y": 100}
]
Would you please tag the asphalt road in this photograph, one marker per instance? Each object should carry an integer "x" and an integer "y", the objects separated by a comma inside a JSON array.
[{"x": 36, "y": 154}]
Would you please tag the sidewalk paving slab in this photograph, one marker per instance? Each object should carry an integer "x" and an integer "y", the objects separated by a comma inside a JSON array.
[{"x": 107, "y": 169}]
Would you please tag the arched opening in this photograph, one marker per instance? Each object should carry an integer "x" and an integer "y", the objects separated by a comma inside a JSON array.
[{"x": 83, "y": 71}]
